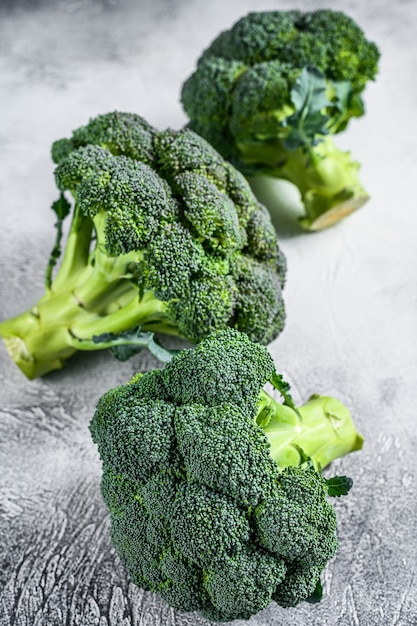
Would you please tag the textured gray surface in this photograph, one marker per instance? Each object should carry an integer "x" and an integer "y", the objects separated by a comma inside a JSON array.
[{"x": 351, "y": 301}]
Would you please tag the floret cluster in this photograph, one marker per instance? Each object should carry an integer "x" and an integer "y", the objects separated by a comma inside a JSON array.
[
  {"x": 272, "y": 91},
  {"x": 207, "y": 246},
  {"x": 200, "y": 512},
  {"x": 241, "y": 90},
  {"x": 166, "y": 236}
]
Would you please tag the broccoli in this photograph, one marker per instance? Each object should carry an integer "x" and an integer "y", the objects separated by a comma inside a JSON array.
[
  {"x": 271, "y": 92},
  {"x": 166, "y": 236},
  {"x": 214, "y": 487}
]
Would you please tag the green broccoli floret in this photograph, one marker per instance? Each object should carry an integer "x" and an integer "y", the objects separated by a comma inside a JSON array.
[
  {"x": 166, "y": 236},
  {"x": 214, "y": 487},
  {"x": 271, "y": 92}
]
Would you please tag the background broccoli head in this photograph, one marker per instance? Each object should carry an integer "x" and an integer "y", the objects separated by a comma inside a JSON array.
[
  {"x": 201, "y": 513},
  {"x": 166, "y": 236},
  {"x": 271, "y": 88}
]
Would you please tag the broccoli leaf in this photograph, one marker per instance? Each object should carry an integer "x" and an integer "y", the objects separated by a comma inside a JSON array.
[
  {"x": 264, "y": 417},
  {"x": 338, "y": 485},
  {"x": 308, "y": 95},
  {"x": 61, "y": 208},
  {"x": 130, "y": 342},
  {"x": 343, "y": 92},
  {"x": 309, "y": 91},
  {"x": 305, "y": 459},
  {"x": 283, "y": 387},
  {"x": 317, "y": 594}
]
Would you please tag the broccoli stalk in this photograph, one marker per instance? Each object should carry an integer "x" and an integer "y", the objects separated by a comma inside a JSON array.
[
  {"x": 92, "y": 297},
  {"x": 322, "y": 429},
  {"x": 165, "y": 237},
  {"x": 326, "y": 177}
]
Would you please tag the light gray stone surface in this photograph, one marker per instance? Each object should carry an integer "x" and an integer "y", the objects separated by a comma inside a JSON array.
[{"x": 351, "y": 302}]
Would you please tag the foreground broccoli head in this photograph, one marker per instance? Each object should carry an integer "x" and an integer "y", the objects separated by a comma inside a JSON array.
[
  {"x": 270, "y": 92},
  {"x": 166, "y": 236},
  {"x": 212, "y": 500}
]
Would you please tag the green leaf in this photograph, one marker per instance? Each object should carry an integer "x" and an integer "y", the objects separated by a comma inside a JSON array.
[
  {"x": 308, "y": 123},
  {"x": 304, "y": 458},
  {"x": 283, "y": 387},
  {"x": 317, "y": 594},
  {"x": 61, "y": 208},
  {"x": 338, "y": 485},
  {"x": 264, "y": 417},
  {"x": 162, "y": 354},
  {"x": 343, "y": 91},
  {"x": 309, "y": 91},
  {"x": 124, "y": 352},
  {"x": 126, "y": 344}
]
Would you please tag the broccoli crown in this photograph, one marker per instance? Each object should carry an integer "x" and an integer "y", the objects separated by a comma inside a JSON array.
[
  {"x": 246, "y": 83},
  {"x": 200, "y": 512},
  {"x": 194, "y": 233}
]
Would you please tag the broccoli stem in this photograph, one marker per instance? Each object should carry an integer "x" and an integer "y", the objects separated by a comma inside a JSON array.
[
  {"x": 76, "y": 253},
  {"x": 40, "y": 339},
  {"x": 327, "y": 178},
  {"x": 43, "y": 337},
  {"x": 322, "y": 429},
  {"x": 91, "y": 294}
]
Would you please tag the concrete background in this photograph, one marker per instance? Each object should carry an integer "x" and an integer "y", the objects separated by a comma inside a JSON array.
[{"x": 351, "y": 302}]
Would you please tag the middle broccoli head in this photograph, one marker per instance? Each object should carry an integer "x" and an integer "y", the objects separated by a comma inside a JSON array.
[{"x": 185, "y": 220}]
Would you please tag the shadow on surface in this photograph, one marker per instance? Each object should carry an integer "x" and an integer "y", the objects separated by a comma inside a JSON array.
[{"x": 282, "y": 200}]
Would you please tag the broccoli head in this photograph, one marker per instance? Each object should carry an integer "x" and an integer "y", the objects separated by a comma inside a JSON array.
[
  {"x": 270, "y": 93},
  {"x": 214, "y": 486},
  {"x": 166, "y": 236}
]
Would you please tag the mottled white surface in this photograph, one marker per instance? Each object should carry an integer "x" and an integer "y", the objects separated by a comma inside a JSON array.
[{"x": 351, "y": 301}]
